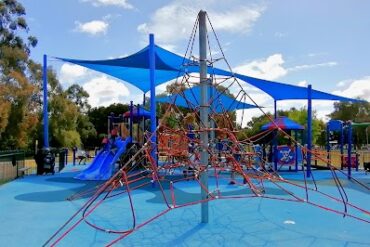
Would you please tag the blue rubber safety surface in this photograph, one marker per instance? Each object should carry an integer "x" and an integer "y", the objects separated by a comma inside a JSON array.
[{"x": 33, "y": 208}]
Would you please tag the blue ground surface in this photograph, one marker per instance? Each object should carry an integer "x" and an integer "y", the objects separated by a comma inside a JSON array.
[{"x": 32, "y": 208}]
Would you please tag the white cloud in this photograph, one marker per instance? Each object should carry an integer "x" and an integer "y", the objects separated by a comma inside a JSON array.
[
  {"x": 120, "y": 3},
  {"x": 104, "y": 91},
  {"x": 316, "y": 54},
  {"x": 313, "y": 66},
  {"x": 303, "y": 83},
  {"x": 356, "y": 88},
  {"x": 94, "y": 27},
  {"x": 175, "y": 21},
  {"x": 270, "y": 68},
  {"x": 69, "y": 73},
  {"x": 279, "y": 35},
  {"x": 343, "y": 83}
]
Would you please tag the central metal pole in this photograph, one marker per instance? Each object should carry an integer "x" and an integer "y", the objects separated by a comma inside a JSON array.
[
  {"x": 153, "y": 109},
  {"x": 204, "y": 111},
  {"x": 45, "y": 102}
]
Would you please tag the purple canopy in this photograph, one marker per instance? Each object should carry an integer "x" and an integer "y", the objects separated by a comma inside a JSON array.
[
  {"x": 284, "y": 123},
  {"x": 137, "y": 112}
]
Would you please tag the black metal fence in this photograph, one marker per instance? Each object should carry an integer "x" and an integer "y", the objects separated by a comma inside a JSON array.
[{"x": 12, "y": 165}]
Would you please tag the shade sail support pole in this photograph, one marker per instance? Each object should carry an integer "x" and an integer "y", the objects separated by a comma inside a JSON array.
[
  {"x": 153, "y": 110},
  {"x": 275, "y": 137},
  {"x": 204, "y": 113},
  {"x": 45, "y": 101},
  {"x": 349, "y": 150},
  {"x": 309, "y": 129},
  {"x": 131, "y": 118}
]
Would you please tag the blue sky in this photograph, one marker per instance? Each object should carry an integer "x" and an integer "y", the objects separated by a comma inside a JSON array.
[{"x": 323, "y": 43}]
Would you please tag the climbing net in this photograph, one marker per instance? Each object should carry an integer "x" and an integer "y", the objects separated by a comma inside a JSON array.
[{"x": 232, "y": 160}]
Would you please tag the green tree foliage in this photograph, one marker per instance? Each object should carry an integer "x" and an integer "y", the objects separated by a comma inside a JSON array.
[
  {"x": 79, "y": 96},
  {"x": 297, "y": 115},
  {"x": 21, "y": 91},
  {"x": 85, "y": 128},
  {"x": 356, "y": 112},
  {"x": 254, "y": 126},
  {"x": 18, "y": 118},
  {"x": 300, "y": 116},
  {"x": 99, "y": 117},
  {"x": 63, "y": 119},
  {"x": 69, "y": 125}
]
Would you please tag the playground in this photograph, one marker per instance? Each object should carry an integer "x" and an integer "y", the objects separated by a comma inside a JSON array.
[
  {"x": 186, "y": 178},
  {"x": 38, "y": 204}
]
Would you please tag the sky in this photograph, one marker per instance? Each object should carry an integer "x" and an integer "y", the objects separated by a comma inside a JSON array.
[{"x": 322, "y": 43}]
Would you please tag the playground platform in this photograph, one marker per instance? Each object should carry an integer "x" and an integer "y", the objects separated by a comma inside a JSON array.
[{"x": 34, "y": 207}]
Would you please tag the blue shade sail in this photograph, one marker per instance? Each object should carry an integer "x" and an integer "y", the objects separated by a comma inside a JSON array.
[
  {"x": 219, "y": 102},
  {"x": 134, "y": 69},
  {"x": 282, "y": 91}
]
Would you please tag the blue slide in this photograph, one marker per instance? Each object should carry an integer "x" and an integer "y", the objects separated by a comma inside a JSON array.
[{"x": 102, "y": 166}]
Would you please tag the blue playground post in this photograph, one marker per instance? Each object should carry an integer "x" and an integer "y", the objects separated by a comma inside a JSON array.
[
  {"x": 342, "y": 145},
  {"x": 296, "y": 150},
  {"x": 45, "y": 103},
  {"x": 153, "y": 108},
  {"x": 349, "y": 150},
  {"x": 275, "y": 139},
  {"x": 131, "y": 117},
  {"x": 328, "y": 144},
  {"x": 309, "y": 129},
  {"x": 144, "y": 102}
]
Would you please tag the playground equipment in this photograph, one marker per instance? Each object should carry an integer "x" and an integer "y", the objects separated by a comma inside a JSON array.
[
  {"x": 126, "y": 144},
  {"x": 230, "y": 163},
  {"x": 340, "y": 133},
  {"x": 286, "y": 155},
  {"x": 102, "y": 167}
]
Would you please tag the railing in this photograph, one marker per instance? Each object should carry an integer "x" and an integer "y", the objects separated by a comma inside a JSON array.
[{"x": 11, "y": 165}]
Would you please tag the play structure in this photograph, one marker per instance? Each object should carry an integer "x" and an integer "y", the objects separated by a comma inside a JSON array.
[
  {"x": 195, "y": 147},
  {"x": 117, "y": 150},
  {"x": 287, "y": 155},
  {"x": 340, "y": 134},
  {"x": 102, "y": 166}
]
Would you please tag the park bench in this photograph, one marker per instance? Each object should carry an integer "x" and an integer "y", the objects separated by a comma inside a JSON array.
[{"x": 22, "y": 171}]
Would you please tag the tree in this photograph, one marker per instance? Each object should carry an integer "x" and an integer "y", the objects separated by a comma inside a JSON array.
[
  {"x": 299, "y": 116},
  {"x": 356, "y": 112},
  {"x": 86, "y": 130},
  {"x": 254, "y": 126},
  {"x": 79, "y": 96},
  {"x": 18, "y": 119},
  {"x": 21, "y": 91}
]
